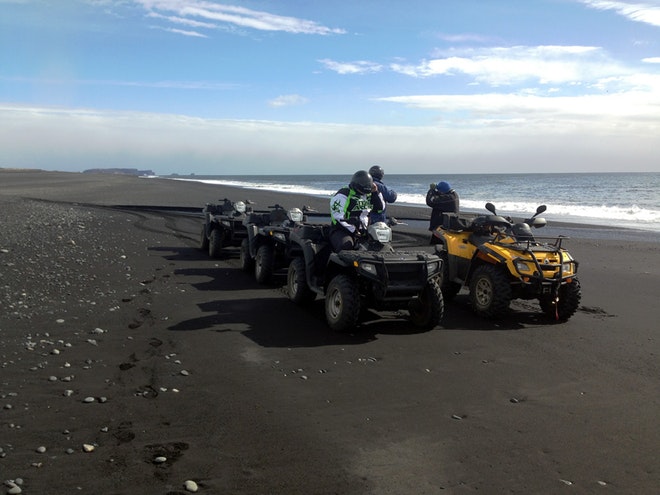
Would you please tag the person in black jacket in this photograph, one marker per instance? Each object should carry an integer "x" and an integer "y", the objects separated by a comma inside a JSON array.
[
  {"x": 349, "y": 210},
  {"x": 442, "y": 199},
  {"x": 388, "y": 195}
]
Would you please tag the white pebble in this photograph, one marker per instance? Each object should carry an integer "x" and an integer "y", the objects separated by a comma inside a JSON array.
[
  {"x": 160, "y": 459},
  {"x": 55, "y": 352},
  {"x": 88, "y": 447},
  {"x": 14, "y": 489},
  {"x": 191, "y": 486},
  {"x": 59, "y": 320},
  {"x": 89, "y": 400},
  {"x": 68, "y": 393},
  {"x": 185, "y": 372},
  {"x": 41, "y": 449}
]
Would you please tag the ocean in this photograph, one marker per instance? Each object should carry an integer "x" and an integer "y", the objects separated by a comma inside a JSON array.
[{"x": 622, "y": 200}]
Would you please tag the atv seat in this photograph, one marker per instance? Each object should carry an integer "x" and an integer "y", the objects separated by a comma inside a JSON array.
[
  {"x": 277, "y": 216},
  {"x": 258, "y": 218},
  {"x": 451, "y": 221},
  {"x": 315, "y": 233}
]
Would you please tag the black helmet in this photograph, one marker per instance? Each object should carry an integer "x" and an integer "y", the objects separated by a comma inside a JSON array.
[
  {"x": 377, "y": 172},
  {"x": 361, "y": 182}
]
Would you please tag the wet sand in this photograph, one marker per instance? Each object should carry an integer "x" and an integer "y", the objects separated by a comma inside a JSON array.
[{"x": 118, "y": 333}]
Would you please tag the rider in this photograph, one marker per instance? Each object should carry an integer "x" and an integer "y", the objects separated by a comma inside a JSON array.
[
  {"x": 387, "y": 195},
  {"x": 349, "y": 210},
  {"x": 442, "y": 199}
]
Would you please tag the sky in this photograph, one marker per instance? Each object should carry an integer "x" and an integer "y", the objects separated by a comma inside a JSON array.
[{"x": 329, "y": 87}]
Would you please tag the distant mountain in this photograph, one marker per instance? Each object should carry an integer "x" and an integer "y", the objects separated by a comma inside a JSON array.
[{"x": 119, "y": 171}]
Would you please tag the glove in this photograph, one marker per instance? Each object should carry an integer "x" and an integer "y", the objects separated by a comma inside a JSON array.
[
  {"x": 432, "y": 185},
  {"x": 350, "y": 228}
]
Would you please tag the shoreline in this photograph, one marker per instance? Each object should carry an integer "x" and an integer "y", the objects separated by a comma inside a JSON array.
[
  {"x": 421, "y": 213},
  {"x": 192, "y": 193}
]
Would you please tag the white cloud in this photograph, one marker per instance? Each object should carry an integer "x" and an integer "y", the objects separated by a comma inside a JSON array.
[
  {"x": 193, "y": 34},
  {"x": 356, "y": 67},
  {"x": 69, "y": 139},
  {"x": 190, "y": 85},
  {"x": 500, "y": 66},
  {"x": 213, "y": 14},
  {"x": 651, "y": 60},
  {"x": 632, "y": 108},
  {"x": 288, "y": 100},
  {"x": 646, "y": 12}
]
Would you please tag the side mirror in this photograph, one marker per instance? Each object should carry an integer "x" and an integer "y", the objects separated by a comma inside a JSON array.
[{"x": 491, "y": 208}]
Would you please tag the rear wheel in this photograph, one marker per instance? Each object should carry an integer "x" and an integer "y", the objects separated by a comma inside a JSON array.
[
  {"x": 263, "y": 264},
  {"x": 490, "y": 291},
  {"x": 342, "y": 304},
  {"x": 247, "y": 262},
  {"x": 203, "y": 240},
  {"x": 296, "y": 282},
  {"x": 215, "y": 243},
  {"x": 570, "y": 296},
  {"x": 427, "y": 309}
]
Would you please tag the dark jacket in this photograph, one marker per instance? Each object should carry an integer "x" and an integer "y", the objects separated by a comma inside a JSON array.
[
  {"x": 441, "y": 203},
  {"x": 387, "y": 196}
]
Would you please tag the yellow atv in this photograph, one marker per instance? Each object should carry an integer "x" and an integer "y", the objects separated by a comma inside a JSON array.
[{"x": 499, "y": 260}]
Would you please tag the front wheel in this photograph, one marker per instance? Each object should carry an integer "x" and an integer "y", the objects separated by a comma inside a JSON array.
[
  {"x": 427, "y": 309},
  {"x": 263, "y": 264},
  {"x": 247, "y": 262},
  {"x": 215, "y": 243},
  {"x": 490, "y": 291},
  {"x": 570, "y": 296},
  {"x": 296, "y": 282},
  {"x": 342, "y": 304}
]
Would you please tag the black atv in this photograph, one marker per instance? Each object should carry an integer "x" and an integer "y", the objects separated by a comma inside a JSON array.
[
  {"x": 373, "y": 276},
  {"x": 266, "y": 247},
  {"x": 223, "y": 225}
]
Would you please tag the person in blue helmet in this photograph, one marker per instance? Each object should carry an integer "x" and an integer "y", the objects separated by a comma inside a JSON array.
[
  {"x": 388, "y": 195},
  {"x": 442, "y": 199}
]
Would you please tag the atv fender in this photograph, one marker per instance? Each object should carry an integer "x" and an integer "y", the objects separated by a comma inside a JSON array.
[
  {"x": 252, "y": 230},
  {"x": 484, "y": 255},
  {"x": 314, "y": 256}
]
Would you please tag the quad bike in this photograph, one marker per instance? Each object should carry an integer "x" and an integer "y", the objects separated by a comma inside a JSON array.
[
  {"x": 266, "y": 247},
  {"x": 499, "y": 260},
  {"x": 223, "y": 225},
  {"x": 373, "y": 276}
]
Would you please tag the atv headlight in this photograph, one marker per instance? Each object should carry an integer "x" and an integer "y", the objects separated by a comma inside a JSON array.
[
  {"x": 279, "y": 235},
  {"x": 433, "y": 267},
  {"x": 566, "y": 268},
  {"x": 521, "y": 266},
  {"x": 239, "y": 206},
  {"x": 370, "y": 268},
  {"x": 380, "y": 232},
  {"x": 295, "y": 215}
]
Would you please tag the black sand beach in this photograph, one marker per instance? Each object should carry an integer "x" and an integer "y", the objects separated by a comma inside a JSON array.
[{"x": 121, "y": 343}]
